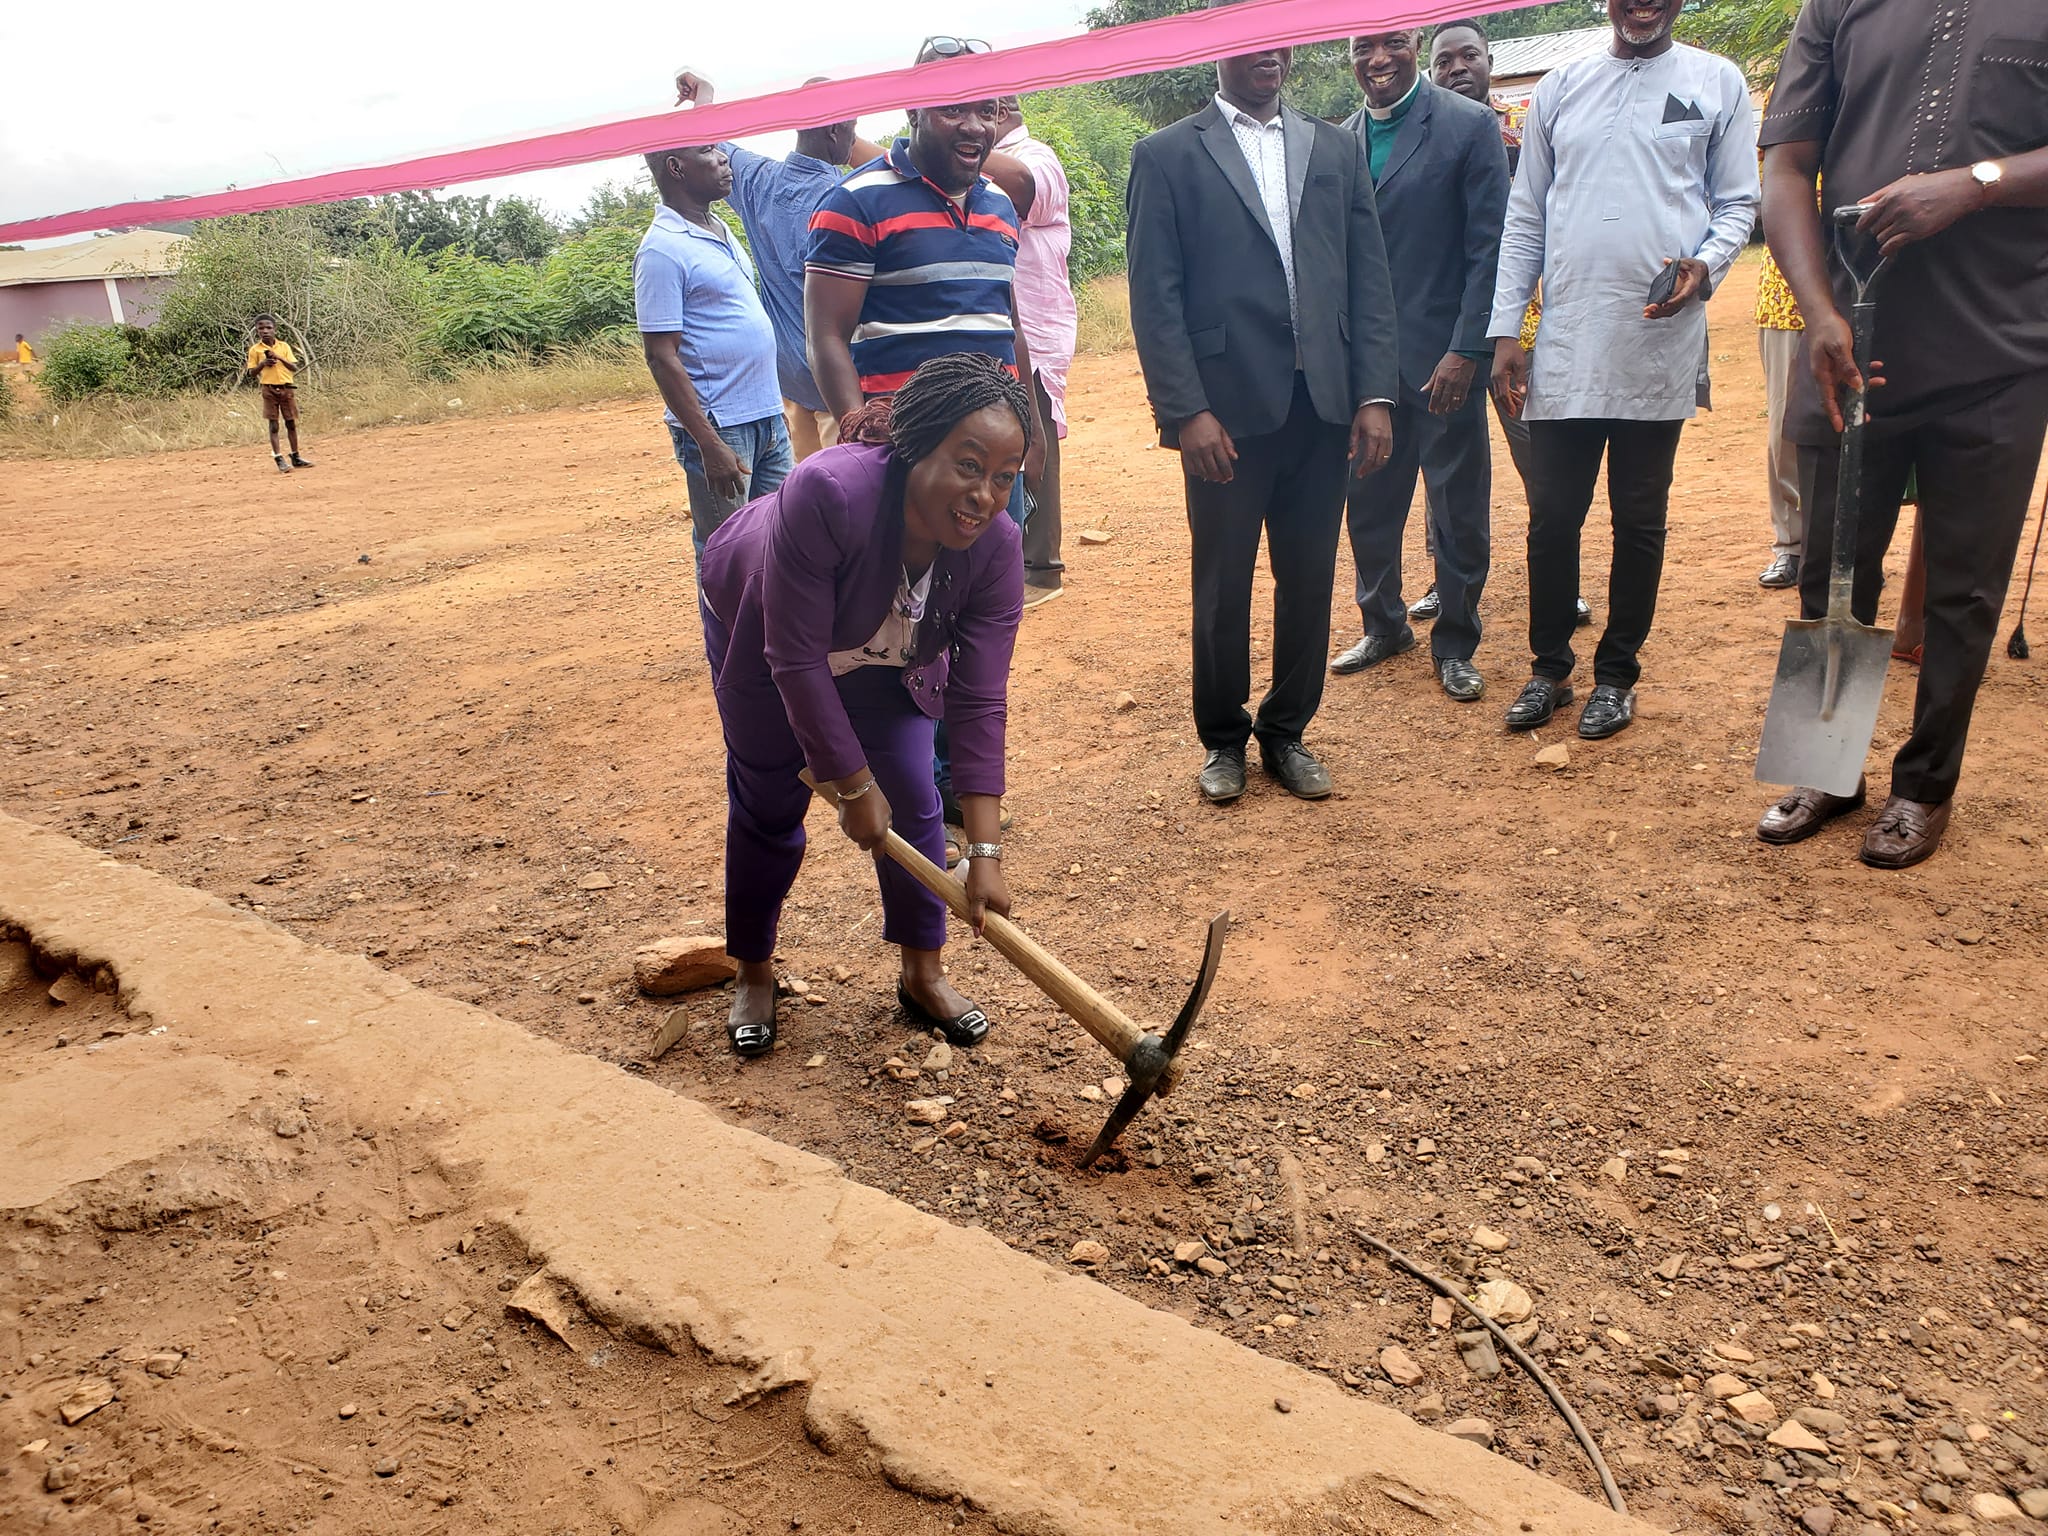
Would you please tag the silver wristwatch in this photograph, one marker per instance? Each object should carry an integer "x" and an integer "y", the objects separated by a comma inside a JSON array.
[{"x": 985, "y": 851}]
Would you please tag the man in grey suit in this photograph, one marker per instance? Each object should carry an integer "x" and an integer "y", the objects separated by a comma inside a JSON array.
[
  {"x": 1264, "y": 319},
  {"x": 1440, "y": 178}
]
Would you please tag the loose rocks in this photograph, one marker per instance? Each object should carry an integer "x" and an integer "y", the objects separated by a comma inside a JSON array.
[
  {"x": 1478, "y": 1431},
  {"x": 1400, "y": 1366}
]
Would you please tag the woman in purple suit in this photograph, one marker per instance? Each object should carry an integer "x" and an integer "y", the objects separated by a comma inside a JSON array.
[{"x": 876, "y": 593}]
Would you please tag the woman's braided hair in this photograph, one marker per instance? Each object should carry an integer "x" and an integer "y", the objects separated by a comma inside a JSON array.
[{"x": 934, "y": 400}]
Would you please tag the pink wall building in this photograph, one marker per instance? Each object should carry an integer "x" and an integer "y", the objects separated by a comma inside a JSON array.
[{"x": 118, "y": 279}]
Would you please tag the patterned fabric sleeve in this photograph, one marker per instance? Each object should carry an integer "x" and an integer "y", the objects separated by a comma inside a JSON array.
[{"x": 1776, "y": 309}]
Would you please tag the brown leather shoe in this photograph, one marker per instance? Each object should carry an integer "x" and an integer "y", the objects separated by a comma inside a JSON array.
[
  {"x": 1804, "y": 812},
  {"x": 1905, "y": 832}
]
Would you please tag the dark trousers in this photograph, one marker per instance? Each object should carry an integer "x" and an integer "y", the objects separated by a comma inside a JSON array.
[
  {"x": 1976, "y": 473},
  {"x": 1561, "y": 469},
  {"x": 1289, "y": 483},
  {"x": 1455, "y": 462},
  {"x": 766, "y": 801},
  {"x": 1042, "y": 562}
]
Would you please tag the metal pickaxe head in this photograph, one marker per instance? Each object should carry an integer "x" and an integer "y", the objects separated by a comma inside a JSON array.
[{"x": 1152, "y": 1058}]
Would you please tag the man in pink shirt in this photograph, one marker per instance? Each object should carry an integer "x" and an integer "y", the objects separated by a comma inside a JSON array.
[{"x": 1031, "y": 174}]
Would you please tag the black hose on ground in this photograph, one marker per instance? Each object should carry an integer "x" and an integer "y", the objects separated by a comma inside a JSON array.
[{"x": 1443, "y": 1287}]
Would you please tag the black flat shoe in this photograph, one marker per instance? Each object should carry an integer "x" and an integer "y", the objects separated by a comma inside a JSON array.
[
  {"x": 970, "y": 1028},
  {"x": 1371, "y": 651},
  {"x": 1297, "y": 770},
  {"x": 1426, "y": 607},
  {"x": 750, "y": 1039},
  {"x": 1608, "y": 709},
  {"x": 1537, "y": 702},
  {"x": 1222, "y": 778}
]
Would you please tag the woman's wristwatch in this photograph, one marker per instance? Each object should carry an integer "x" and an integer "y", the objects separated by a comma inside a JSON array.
[{"x": 985, "y": 851}]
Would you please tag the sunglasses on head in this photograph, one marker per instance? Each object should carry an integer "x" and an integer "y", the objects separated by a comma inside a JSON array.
[{"x": 949, "y": 48}]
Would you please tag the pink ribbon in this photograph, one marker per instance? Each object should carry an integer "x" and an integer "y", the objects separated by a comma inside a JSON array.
[{"x": 1194, "y": 38}]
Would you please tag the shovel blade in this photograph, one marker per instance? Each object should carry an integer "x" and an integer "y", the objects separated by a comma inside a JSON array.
[{"x": 1817, "y": 731}]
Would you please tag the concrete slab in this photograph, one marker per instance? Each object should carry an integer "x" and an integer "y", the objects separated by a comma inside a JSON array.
[{"x": 1042, "y": 1397}]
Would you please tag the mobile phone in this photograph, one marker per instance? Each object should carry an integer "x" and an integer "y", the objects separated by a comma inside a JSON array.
[{"x": 1664, "y": 284}]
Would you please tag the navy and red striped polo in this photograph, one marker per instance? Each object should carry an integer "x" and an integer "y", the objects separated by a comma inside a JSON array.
[{"x": 938, "y": 271}]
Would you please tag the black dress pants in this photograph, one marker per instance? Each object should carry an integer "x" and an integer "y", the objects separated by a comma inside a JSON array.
[
  {"x": 1560, "y": 470},
  {"x": 1290, "y": 483},
  {"x": 1976, "y": 475},
  {"x": 1455, "y": 461}
]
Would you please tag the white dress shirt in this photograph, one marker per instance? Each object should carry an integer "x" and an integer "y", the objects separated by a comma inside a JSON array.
[{"x": 1265, "y": 150}]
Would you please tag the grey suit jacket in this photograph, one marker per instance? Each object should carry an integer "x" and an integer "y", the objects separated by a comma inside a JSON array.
[
  {"x": 1442, "y": 197},
  {"x": 1209, "y": 295}
]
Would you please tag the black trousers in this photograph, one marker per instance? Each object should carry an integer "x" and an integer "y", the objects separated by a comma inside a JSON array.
[
  {"x": 1455, "y": 462},
  {"x": 1561, "y": 468},
  {"x": 1976, "y": 474},
  {"x": 1290, "y": 483}
]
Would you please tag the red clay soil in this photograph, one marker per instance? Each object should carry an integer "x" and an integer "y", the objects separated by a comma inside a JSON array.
[{"x": 1732, "y": 1109}]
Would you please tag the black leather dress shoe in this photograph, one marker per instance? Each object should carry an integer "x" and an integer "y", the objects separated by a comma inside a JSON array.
[
  {"x": 1222, "y": 779},
  {"x": 1608, "y": 709},
  {"x": 1426, "y": 607},
  {"x": 1539, "y": 700},
  {"x": 1297, "y": 770},
  {"x": 1804, "y": 812},
  {"x": 1460, "y": 679},
  {"x": 1783, "y": 571},
  {"x": 1371, "y": 651},
  {"x": 1585, "y": 613}
]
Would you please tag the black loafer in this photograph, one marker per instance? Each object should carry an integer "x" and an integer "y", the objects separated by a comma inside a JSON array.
[
  {"x": 1297, "y": 770},
  {"x": 1371, "y": 651},
  {"x": 1426, "y": 607},
  {"x": 1585, "y": 612},
  {"x": 969, "y": 1028},
  {"x": 1460, "y": 679},
  {"x": 751, "y": 1039},
  {"x": 1608, "y": 709},
  {"x": 1538, "y": 701},
  {"x": 1222, "y": 779},
  {"x": 1783, "y": 571}
]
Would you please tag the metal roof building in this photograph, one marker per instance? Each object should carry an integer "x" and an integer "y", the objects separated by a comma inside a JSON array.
[{"x": 1519, "y": 62}]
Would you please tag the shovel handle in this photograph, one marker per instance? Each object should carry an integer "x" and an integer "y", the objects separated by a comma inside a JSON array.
[
  {"x": 1079, "y": 1001},
  {"x": 1849, "y": 479}
]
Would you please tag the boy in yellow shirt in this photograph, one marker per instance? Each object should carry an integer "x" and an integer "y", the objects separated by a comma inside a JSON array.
[
  {"x": 274, "y": 364},
  {"x": 24, "y": 354}
]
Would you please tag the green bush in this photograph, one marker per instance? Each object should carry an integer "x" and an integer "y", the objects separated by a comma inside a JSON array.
[
  {"x": 589, "y": 281},
  {"x": 8, "y": 406},
  {"x": 81, "y": 360},
  {"x": 478, "y": 308},
  {"x": 1092, "y": 133}
]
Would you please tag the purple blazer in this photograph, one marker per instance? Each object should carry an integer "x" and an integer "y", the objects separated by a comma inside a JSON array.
[{"x": 812, "y": 569}]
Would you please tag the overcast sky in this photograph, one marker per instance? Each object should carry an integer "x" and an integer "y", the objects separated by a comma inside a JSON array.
[{"x": 121, "y": 99}]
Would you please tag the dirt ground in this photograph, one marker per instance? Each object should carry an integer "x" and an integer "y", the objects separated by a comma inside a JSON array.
[{"x": 1732, "y": 1111}]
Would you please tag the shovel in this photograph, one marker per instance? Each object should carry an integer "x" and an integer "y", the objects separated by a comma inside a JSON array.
[{"x": 1831, "y": 670}]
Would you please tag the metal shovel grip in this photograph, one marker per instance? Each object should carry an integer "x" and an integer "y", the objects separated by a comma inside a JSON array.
[{"x": 1849, "y": 483}]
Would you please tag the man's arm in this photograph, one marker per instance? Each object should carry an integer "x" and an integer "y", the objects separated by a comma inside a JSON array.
[
  {"x": 1015, "y": 178},
  {"x": 721, "y": 464},
  {"x": 1522, "y": 239},
  {"x": 1486, "y": 205},
  {"x": 865, "y": 150},
  {"x": 1374, "y": 368},
  {"x": 1034, "y": 456},
  {"x": 832, "y": 306},
  {"x": 1152, "y": 251},
  {"x": 1732, "y": 188}
]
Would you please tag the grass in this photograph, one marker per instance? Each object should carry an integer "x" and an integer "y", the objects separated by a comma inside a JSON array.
[
  {"x": 343, "y": 401},
  {"x": 1105, "y": 314},
  {"x": 339, "y": 401}
]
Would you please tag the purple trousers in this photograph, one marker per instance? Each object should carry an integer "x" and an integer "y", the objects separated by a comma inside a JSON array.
[{"x": 766, "y": 801}]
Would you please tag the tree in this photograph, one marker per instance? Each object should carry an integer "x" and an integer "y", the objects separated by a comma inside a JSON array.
[
  {"x": 1558, "y": 16},
  {"x": 1751, "y": 32},
  {"x": 629, "y": 202},
  {"x": 510, "y": 229}
]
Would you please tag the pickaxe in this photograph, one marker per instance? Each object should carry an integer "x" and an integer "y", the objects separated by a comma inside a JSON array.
[{"x": 1150, "y": 1061}]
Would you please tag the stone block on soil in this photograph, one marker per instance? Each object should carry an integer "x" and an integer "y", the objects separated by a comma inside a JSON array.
[
  {"x": 670, "y": 967},
  {"x": 1478, "y": 1431}
]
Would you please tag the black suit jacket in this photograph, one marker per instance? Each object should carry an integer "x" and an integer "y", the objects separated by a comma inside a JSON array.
[
  {"x": 1442, "y": 196},
  {"x": 1208, "y": 293}
]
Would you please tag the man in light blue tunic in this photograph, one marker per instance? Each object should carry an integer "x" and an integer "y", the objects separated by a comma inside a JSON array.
[{"x": 1638, "y": 159}]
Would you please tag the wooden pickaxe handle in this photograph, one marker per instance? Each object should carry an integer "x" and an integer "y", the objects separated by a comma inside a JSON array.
[{"x": 1079, "y": 1001}]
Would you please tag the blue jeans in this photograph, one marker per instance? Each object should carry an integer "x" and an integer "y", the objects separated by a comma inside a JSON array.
[{"x": 765, "y": 461}]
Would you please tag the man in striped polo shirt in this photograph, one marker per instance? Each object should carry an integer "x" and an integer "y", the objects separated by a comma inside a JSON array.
[{"x": 912, "y": 257}]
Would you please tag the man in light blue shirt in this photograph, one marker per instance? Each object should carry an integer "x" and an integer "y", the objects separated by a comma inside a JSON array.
[
  {"x": 709, "y": 343},
  {"x": 1635, "y": 160},
  {"x": 775, "y": 200}
]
